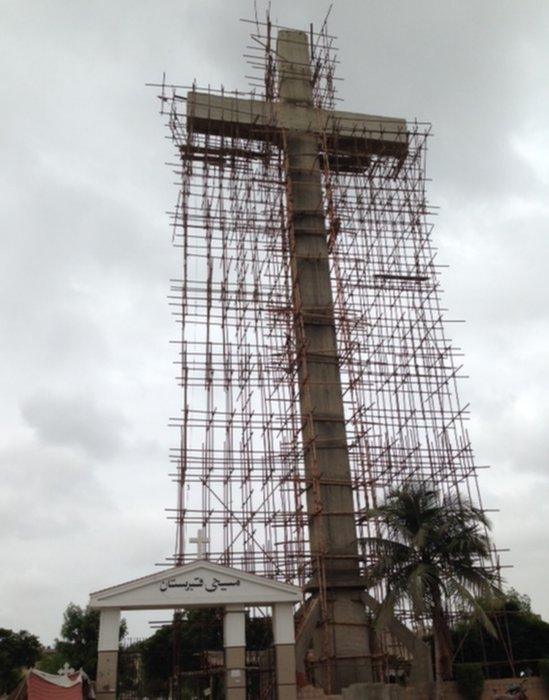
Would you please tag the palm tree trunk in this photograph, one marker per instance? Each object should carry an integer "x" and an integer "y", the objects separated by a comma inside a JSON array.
[
  {"x": 443, "y": 640},
  {"x": 438, "y": 675}
]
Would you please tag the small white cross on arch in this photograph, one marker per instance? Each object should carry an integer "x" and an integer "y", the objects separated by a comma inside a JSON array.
[
  {"x": 200, "y": 540},
  {"x": 65, "y": 670}
]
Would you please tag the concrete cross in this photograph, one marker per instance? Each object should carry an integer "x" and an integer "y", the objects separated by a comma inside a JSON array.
[
  {"x": 313, "y": 138},
  {"x": 200, "y": 540}
]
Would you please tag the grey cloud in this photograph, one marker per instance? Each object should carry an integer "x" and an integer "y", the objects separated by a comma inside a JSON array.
[
  {"x": 63, "y": 535},
  {"x": 47, "y": 492},
  {"x": 470, "y": 70},
  {"x": 522, "y": 503},
  {"x": 495, "y": 268},
  {"x": 75, "y": 421}
]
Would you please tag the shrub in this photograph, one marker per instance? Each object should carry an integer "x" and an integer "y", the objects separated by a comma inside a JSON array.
[
  {"x": 470, "y": 680},
  {"x": 544, "y": 672}
]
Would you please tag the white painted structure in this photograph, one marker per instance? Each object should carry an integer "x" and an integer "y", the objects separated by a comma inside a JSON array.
[{"x": 202, "y": 584}]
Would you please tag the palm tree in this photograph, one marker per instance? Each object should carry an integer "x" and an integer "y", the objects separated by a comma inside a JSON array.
[{"x": 432, "y": 549}]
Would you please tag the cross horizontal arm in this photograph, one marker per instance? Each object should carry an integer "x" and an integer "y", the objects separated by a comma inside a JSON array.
[
  {"x": 230, "y": 116},
  {"x": 350, "y": 132},
  {"x": 347, "y": 133}
]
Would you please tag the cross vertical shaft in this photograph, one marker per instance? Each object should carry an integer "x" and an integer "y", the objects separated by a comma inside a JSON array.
[
  {"x": 329, "y": 494},
  {"x": 347, "y": 142}
]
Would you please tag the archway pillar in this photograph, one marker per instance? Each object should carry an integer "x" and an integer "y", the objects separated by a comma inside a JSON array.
[
  {"x": 234, "y": 642},
  {"x": 284, "y": 641},
  {"x": 107, "y": 653}
]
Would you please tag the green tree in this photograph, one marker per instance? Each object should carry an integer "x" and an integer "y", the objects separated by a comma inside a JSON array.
[
  {"x": 198, "y": 631},
  {"x": 79, "y": 636},
  {"x": 431, "y": 551},
  {"x": 18, "y": 650},
  {"x": 51, "y": 661},
  {"x": 523, "y": 634},
  {"x": 470, "y": 680},
  {"x": 195, "y": 631}
]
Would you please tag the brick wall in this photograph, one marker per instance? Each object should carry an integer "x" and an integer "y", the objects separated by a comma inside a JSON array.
[
  {"x": 493, "y": 689},
  {"x": 309, "y": 692}
]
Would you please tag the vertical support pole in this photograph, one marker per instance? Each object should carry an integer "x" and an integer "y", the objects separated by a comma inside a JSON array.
[
  {"x": 345, "y": 647},
  {"x": 284, "y": 642},
  {"x": 107, "y": 653},
  {"x": 234, "y": 642}
]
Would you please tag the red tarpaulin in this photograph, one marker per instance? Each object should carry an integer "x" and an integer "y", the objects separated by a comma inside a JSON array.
[{"x": 45, "y": 686}]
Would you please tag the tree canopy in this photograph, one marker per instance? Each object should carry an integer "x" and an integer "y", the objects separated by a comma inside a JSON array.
[
  {"x": 522, "y": 634},
  {"x": 79, "y": 637},
  {"x": 199, "y": 631},
  {"x": 18, "y": 650}
]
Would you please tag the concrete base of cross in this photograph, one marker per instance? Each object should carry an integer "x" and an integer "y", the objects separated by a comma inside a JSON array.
[{"x": 374, "y": 691}]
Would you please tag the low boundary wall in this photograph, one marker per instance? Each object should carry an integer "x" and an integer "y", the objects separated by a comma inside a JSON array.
[{"x": 493, "y": 690}]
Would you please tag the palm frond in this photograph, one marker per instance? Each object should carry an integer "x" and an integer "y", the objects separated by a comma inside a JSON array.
[
  {"x": 383, "y": 544},
  {"x": 478, "y": 611},
  {"x": 431, "y": 547}
]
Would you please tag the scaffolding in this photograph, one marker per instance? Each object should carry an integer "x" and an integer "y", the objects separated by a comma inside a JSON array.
[{"x": 239, "y": 461}]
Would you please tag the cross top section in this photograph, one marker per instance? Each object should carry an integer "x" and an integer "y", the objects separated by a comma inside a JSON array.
[{"x": 347, "y": 138}]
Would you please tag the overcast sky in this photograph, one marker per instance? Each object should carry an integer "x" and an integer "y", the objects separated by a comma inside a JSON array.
[{"x": 86, "y": 379}]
